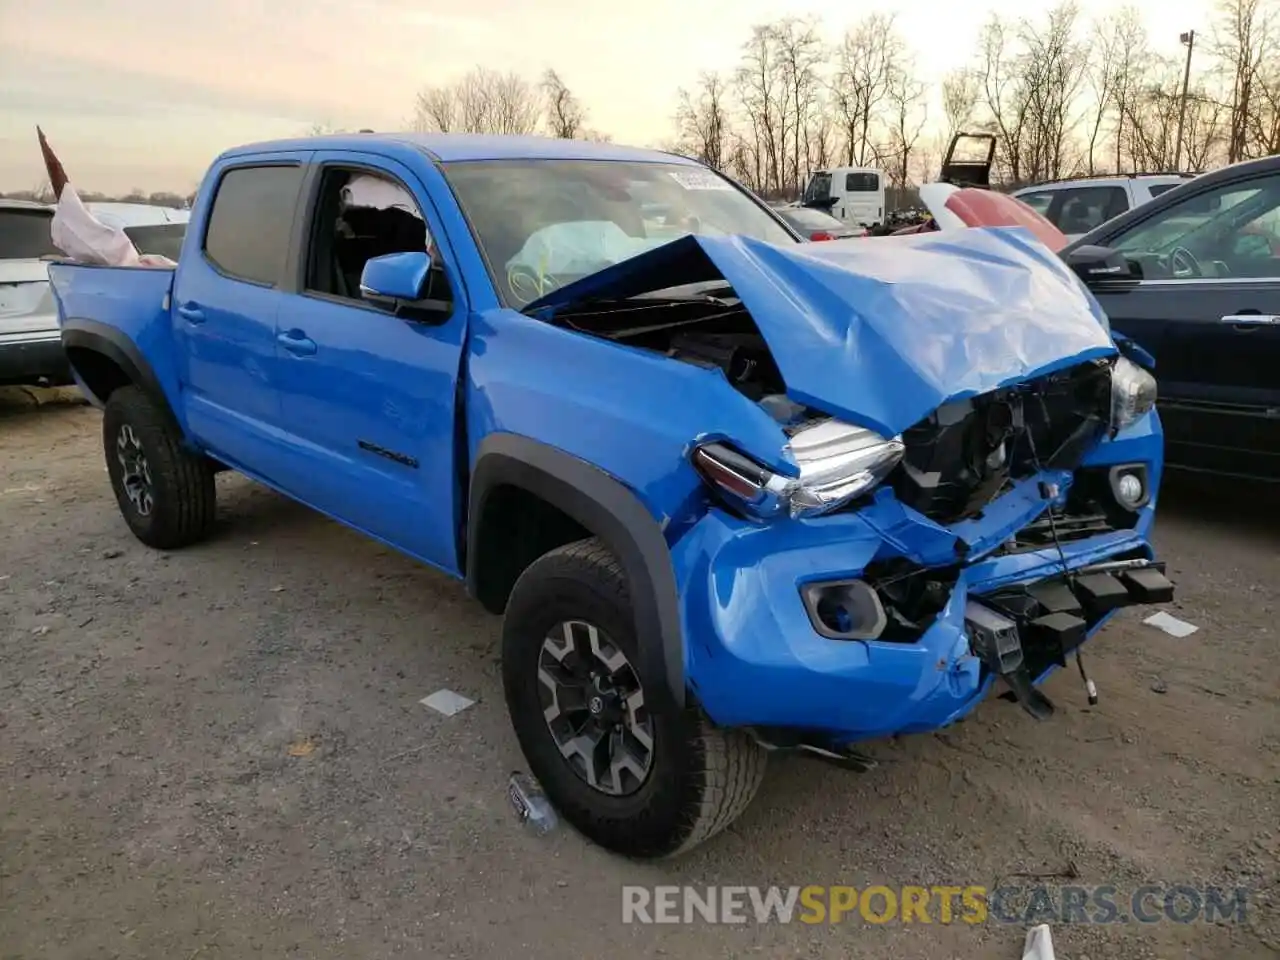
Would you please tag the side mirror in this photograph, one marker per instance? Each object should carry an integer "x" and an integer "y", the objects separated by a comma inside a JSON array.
[
  {"x": 1095, "y": 265},
  {"x": 409, "y": 284}
]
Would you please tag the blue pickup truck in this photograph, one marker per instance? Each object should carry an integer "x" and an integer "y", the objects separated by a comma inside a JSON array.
[{"x": 734, "y": 493}]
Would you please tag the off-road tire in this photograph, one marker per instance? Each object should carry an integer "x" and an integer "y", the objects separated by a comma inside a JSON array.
[
  {"x": 702, "y": 777},
  {"x": 184, "y": 500}
]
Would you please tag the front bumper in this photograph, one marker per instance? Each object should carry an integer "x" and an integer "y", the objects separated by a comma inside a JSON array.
[
  {"x": 753, "y": 657},
  {"x": 30, "y": 358}
]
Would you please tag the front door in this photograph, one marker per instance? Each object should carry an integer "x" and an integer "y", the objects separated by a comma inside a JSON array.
[
  {"x": 368, "y": 398},
  {"x": 1208, "y": 310}
]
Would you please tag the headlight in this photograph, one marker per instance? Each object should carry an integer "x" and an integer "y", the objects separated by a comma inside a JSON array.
[
  {"x": 837, "y": 462},
  {"x": 1133, "y": 393}
]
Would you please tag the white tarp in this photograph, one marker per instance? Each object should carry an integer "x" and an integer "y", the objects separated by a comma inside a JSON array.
[
  {"x": 364, "y": 190},
  {"x": 82, "y": 236}
]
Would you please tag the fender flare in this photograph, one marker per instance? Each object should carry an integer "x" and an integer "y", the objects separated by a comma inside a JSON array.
[
  {"x": 124, "y": 353},
  {"x": 612, "y": 512}
]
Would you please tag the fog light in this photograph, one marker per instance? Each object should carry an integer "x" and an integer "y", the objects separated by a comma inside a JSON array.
[
  {"x": 1130, "y": 489},
  {"x": 1129, "y": 486},
  {"x": 844, "y": 610}
]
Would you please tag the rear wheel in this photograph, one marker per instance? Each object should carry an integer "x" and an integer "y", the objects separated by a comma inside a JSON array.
[
  {"x": 165, "y": 491},
  {"x": 638, "y": 783}
]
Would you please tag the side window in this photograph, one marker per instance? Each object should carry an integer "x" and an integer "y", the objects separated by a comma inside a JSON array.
[
  {"x": 1158, "y": 188},
  {"x": 1228, "y": 231},
  {"x": 1080, "y": 209},
  {"x": 1039, "y": 202},
  {"x": 360, "y": 215},
  {"x": 251, "y": 221}
]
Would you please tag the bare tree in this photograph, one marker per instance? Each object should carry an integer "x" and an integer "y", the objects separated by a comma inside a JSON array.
[
  {"x": 483, "y": 101},
  {"x": 1031, "y": 75},
  {"x": 1102, "y": 78},
  {"x": 1130, "y": 61},
  {"x": 800, "y": 52},
  {"x": 1052, "y": 69},
  {"x": 762, "y": 89},
  {"x": 960, "y": 91},
  {"x": 865, "y": 64},
  {"x": 703, "y": 122},
  {"x": 1247, "y": 46},
  {"x": 908, "y": 112},
  {"x": 565, "y": 115},
  {"x": 1001, "y": 95}
]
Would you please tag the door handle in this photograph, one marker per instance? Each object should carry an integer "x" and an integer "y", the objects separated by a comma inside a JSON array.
[
  {"x": 1250, "y": 321},
  {"x": 297, "y": 343},
  {"x": 191, "y": 313}
]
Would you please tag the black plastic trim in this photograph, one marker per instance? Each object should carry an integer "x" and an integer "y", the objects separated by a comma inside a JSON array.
[
  {"x": 610, "y": 511},
  {"x": 124, "y": 353}
]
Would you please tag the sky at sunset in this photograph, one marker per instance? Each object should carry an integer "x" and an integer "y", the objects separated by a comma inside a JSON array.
[{"x": 134, "y": 93}]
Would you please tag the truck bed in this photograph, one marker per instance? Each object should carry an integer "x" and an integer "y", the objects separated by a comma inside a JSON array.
[{"x": 121, "y": 311}]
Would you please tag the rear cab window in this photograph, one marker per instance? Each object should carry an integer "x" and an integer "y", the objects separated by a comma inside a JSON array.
[
  {"x": 251, "y": 221},
  {"x": 162, "y": 239},
  {"x": 24, "y": 234},
  {"x": 861, "y": 183}
]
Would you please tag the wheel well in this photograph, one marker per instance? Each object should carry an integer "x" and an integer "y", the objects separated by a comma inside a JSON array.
[
  {"x": 516, "y": 529},
  {"x": 100, "y": 374}
]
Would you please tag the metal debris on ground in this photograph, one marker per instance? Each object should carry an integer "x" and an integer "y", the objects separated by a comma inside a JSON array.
[
  {"x": 1171, "y": 625},
  {"x": 446, "y": 702},
  {"x": 302, "y": 748},
  {"x": 1039, "y": 944}
]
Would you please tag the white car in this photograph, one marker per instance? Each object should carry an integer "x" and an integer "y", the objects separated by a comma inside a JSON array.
[
  {"x": 30, "y": 344},
  {"x": 1078, "y": 205}
]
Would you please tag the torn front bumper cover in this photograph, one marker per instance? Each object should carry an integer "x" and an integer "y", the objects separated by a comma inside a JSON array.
[
  {"x": 1019, "y": 633},
  {"x": 755, "y": 656}
]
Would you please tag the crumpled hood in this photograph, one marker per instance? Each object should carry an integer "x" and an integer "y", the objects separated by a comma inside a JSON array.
[{"x": 881, "y": 333}]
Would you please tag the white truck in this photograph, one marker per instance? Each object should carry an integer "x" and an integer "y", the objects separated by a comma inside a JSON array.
[{"x": 853, "y": 195}]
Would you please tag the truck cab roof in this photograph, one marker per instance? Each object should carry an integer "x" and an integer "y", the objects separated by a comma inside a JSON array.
[{"x": 449, "y": 147}]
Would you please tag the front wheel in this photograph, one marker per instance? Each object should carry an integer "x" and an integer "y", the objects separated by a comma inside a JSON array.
[
  {"x": 165, "y": 491},
  {"x": 638, "y": 783}
]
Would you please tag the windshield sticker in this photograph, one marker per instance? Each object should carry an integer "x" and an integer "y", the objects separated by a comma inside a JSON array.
[{"x": 695, "y": 179}]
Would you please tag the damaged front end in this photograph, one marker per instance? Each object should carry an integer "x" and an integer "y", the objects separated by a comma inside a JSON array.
[{"x": 967, "y": 473}]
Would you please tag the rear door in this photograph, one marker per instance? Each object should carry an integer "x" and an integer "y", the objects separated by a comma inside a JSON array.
[
  {"x": 1208, "y": 310},
  {"x": 225, "y": 300}
]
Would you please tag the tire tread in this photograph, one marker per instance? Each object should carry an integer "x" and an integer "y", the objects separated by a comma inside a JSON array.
[
  {"x": 730, "y": 765},
  {"x": 194, "y": 507}
]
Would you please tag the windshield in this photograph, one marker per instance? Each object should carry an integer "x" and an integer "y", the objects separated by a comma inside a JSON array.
[
  {"x": 544, "y": 223},
  {"x": 164, "y": 239},
  {"x": 819, "y": 188},
  {"x": 24, "y": 234}
]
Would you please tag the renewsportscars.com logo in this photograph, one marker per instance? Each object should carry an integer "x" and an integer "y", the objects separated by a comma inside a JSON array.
[{"x": 1153, "y": 903}]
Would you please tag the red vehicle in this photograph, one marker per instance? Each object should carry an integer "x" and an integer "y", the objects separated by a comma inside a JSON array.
[{"x": 963, "y": 198}]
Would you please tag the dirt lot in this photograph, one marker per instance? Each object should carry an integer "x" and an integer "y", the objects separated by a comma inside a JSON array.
[{"x": 151, "y": 707}]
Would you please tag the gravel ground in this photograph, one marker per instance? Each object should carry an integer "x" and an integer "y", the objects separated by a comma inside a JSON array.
[{"x": 220, "y": 753}]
